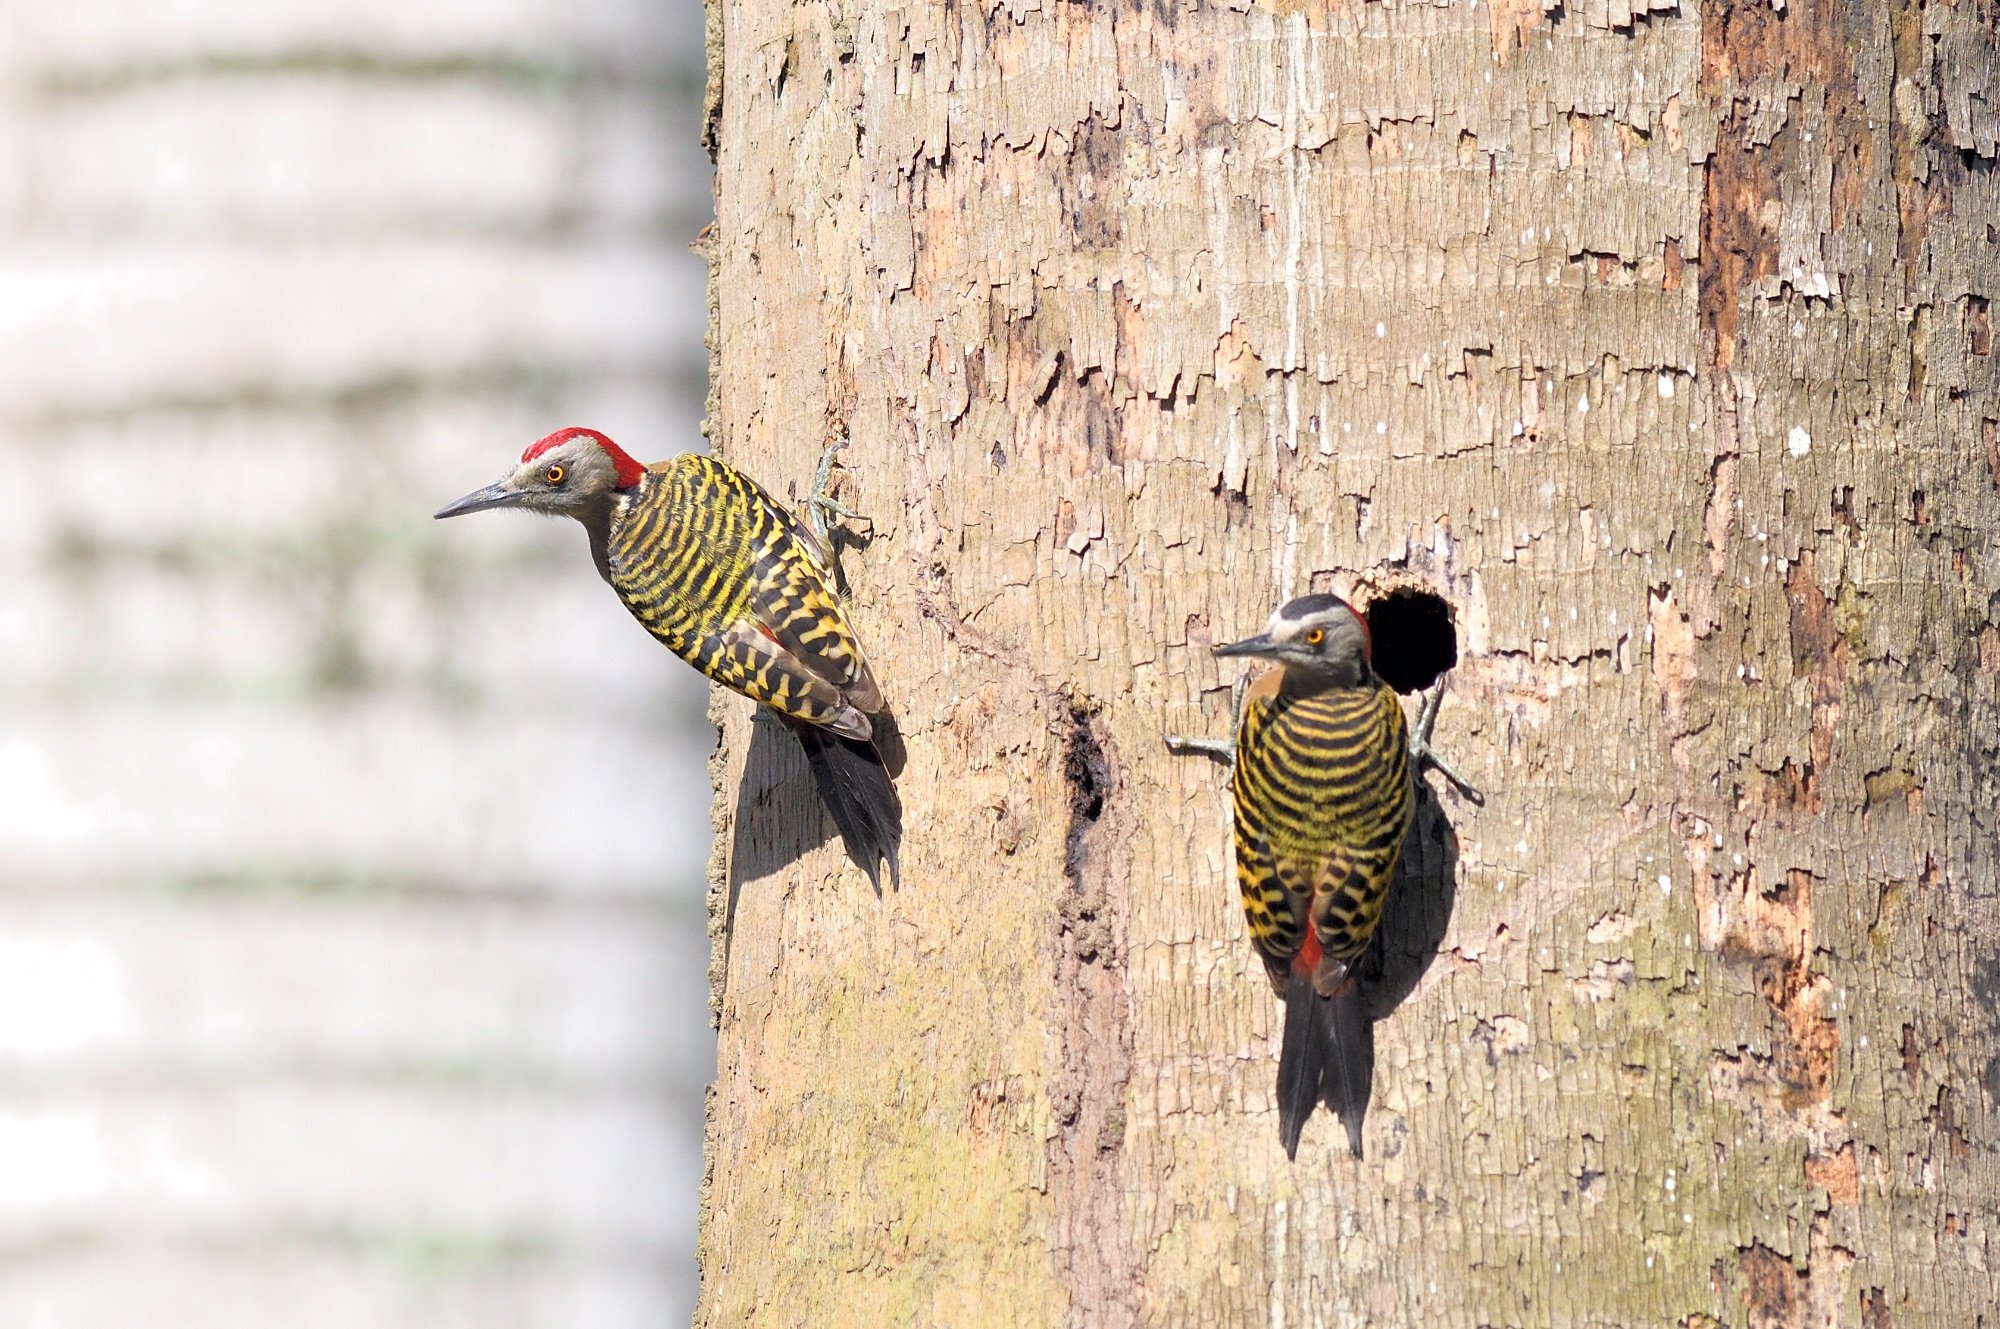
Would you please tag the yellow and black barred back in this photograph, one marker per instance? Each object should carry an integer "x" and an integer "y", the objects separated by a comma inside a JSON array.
[
  {"x": 717, "y": 570},
  {"x": 1323, "y": 798}
]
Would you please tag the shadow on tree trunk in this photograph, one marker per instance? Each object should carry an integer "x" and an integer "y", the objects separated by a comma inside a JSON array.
[
  {"x": 780, "y": 816},
  {"x": 1414, "y": 921}
]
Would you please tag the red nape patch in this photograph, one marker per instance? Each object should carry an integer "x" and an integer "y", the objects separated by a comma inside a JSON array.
[
  {"x": 629, "y": 472},
  {"x": 1367, "y": 637},
  {"x": 1306, "y": 961}
]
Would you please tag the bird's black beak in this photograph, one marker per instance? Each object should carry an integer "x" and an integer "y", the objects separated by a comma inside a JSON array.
[
  {"x": 1261, "y": 644},
  {"x": 497, "y": 495}
]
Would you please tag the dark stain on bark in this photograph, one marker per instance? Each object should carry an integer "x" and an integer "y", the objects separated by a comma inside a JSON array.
[
  {"x": 1820, "y": 653},
  {"x": 1918, "y": 202},
  {"x": 1752, "y": 51},
  {"x": 1087, "y": 1094},
  {"x": 1093, "y": 187},
  {"x": 1088, "y": 779},
  {"x": 1986, "y": 983},
  {"x": 1090, "y": 412},
  {"x": 1772, "y": 1291},
  {"x": 1737, "y": 249}
]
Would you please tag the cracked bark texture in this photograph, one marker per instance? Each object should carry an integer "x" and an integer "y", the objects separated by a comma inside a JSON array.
[{"x": 1655, "y": 337}]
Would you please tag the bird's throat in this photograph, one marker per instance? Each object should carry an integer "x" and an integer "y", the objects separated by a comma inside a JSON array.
[{"x": 597, "y": 516}]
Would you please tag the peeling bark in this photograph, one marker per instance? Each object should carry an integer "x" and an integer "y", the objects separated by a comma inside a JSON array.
[{"x": 1657, "y": 340}]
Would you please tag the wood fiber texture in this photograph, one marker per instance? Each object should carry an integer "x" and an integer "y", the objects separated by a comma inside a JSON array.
[{"x": 1658, "y": 339}]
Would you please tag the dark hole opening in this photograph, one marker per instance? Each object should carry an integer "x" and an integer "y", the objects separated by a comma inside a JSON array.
[
  {"x": 1415, "y": 640},
  {"x": 1089, "y": 778}
]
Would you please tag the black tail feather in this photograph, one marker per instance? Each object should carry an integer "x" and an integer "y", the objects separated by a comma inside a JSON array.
[
  {"x": 1301, "y": 1063},
  {"x": 857, "y": 791},
  {"x": 1328, "y": 1056},
  {"x": 1350, "y": 1060}
]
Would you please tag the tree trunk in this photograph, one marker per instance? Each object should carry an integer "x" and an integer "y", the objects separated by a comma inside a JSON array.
[{"x": 1659, "y": 344}]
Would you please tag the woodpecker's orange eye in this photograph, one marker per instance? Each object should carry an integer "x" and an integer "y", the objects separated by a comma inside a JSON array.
[
  {"x": 1315, "y": 637},
  {"x": 554, "y": 475}
]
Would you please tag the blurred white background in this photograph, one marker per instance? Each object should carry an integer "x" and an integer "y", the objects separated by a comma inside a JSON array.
[{"x": 352, "y": 955}]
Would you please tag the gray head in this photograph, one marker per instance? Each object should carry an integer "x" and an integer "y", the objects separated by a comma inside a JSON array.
[
  {"x": 565, "y": 474},
  {"x": 1319, "y": 638}
]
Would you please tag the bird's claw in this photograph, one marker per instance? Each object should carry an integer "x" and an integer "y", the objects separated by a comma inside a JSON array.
[
  {"x": 823, "y": 511},
  {"x": 1423, "y": 756},
  {"x": 1222, "y": 749}
]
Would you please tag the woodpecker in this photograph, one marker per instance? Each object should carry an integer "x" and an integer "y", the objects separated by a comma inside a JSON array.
[
  {"x": 736, "y": 586},
  {"x": 1324, "y": 796}
]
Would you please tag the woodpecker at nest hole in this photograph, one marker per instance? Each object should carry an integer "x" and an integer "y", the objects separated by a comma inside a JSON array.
[{"x": 1324, "y": 795}]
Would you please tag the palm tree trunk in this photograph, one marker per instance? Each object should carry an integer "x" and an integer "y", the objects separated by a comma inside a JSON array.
[{"x": 1657, "y": 341}]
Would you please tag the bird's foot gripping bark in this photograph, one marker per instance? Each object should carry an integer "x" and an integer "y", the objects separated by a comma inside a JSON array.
[
  {"x": 1423, "y": 755},
  {"x": 1222, "y": 749},
  {"x": 822, "y": 509}
]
